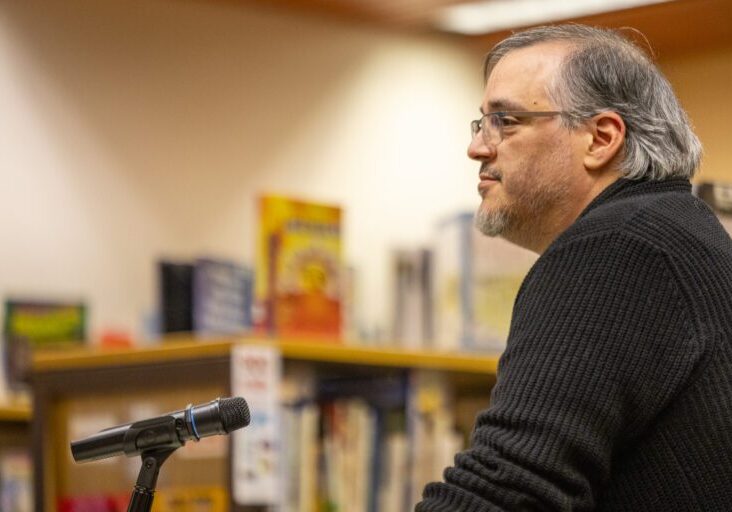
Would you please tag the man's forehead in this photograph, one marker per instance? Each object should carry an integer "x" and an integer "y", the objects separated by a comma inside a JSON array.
[
  {"x": 521, "y": 76},
  {"x": 540, "y": 56}
]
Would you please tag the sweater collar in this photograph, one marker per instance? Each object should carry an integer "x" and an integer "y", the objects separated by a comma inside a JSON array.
[{"x": 624, "y": 187}]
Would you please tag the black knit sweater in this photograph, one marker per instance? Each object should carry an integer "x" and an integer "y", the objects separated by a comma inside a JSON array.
[{"x": 615, "y": 389}]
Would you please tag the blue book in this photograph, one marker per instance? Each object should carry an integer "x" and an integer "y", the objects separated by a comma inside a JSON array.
[{"x": 222, "y": 297}]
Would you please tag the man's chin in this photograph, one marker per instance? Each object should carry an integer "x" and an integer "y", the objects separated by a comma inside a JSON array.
[{"x": 490, "y": 222}]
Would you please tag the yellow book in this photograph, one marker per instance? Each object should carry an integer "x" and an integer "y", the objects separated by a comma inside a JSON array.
[{"x": 298, "y": 274}]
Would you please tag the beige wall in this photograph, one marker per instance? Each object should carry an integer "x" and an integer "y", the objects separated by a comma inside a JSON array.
[
  {"x": 703, "y": 81},
  {"x": 130, "y": 130}
]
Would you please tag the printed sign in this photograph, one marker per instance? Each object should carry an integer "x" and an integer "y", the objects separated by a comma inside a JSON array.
[{"x": 256, "y": 372}]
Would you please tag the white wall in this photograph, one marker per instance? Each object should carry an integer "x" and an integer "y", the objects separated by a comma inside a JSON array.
[{"x": 132, "y": 130}]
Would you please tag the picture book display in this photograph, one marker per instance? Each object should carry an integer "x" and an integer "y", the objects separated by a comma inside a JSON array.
[{"x": 298, "y": 273}]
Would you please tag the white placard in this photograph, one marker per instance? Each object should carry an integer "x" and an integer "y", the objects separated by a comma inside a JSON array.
[{"x": 255, "y": 375}]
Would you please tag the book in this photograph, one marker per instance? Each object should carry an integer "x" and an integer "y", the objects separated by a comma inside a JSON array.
[
  {"x": 392, "y": 489},
  {"x": 211, "y": 498},
  {"x": 413, "y": 298},
  {"x": 359, "y": 413},
  {"x": 300, "y": 435},
  {"x": 222, "y": 297},
  {"x": 35, "y": 324},
  {"x": 717, "y": 195},
  {"x": 175, "y": 296},
  {"x": 16, "y": 482},
  {"x": 100, "y": 503},
  {"x": 298, "y": 273},
  {"x": 476, "y": 279},
  {"x": 433, "y": 440},
  {"x": 348, "y": 449},
  {"x": 200, "y": 498},
  {"x": 300, "y": 457}
]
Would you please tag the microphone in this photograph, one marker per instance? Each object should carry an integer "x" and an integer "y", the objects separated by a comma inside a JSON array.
[{"x": 166, "y": 432}]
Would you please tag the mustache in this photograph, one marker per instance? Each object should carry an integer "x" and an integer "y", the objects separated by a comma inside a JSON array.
[{"x": 487, "y": 173}]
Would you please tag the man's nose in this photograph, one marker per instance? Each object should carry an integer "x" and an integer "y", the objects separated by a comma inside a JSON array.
[{"x": 480, "y": 150}]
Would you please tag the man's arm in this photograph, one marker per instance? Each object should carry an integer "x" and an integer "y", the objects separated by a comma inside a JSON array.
[{"x": 599, "y": 343}]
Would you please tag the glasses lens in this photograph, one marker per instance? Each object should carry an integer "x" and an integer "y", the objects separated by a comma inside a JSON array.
[
  {"x": 474, "y": 128},
  {"x": 492, "y": 129}
]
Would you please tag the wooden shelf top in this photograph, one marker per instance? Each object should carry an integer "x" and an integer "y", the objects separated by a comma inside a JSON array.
[
  {"x": 17, "y": 412},
  {"x": 188, "y": 348}
]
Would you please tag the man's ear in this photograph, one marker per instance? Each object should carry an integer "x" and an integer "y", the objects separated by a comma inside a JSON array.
[{"x": 607, "y": 131}]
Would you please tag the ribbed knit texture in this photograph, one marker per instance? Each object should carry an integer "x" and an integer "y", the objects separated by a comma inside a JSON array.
[{"x": 615, "y": 389}]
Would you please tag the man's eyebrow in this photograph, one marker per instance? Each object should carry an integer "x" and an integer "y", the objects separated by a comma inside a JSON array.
[{"x": 501, "y": 105}]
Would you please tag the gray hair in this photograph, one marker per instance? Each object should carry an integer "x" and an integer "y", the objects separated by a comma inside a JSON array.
[{"x": 605, "y": 71}]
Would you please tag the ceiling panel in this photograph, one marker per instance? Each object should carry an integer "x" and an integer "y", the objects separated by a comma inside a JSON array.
[{"x": 674, "y": 26}]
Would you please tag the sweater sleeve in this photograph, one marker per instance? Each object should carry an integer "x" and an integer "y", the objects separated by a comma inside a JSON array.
[{"x": 600, "y": 342}]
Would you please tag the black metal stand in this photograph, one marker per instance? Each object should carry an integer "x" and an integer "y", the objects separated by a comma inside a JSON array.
[{"x": 147, "y": 479}]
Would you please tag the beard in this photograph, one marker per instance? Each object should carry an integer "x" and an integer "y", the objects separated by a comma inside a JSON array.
[
  {"x": 491, "y": 222},
  {"x": 520, "y": 213}
]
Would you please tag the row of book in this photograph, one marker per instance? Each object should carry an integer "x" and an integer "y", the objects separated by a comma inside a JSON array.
[
  {"x": 296, "y": 289},
  {"x": 167, "y": 499},
  {"x": 365, "y": 444},
  {"x": 317, "y": 441},
  {"x": 458, "y": 294},
  {"x": 455, "y": 295}
]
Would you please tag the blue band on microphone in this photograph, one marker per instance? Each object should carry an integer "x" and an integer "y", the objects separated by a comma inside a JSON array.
[{"x": 192, "y": 421}]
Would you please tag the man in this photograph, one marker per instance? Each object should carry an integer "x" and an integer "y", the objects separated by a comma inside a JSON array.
[{"x": 615, "y": 389}]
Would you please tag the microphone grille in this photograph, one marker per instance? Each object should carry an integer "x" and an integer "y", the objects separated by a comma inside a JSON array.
[{"x": 234, "y": 413}]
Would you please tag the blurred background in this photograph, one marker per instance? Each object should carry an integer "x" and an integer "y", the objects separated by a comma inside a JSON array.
[
  {"x": 139, "y": 138},
  {"x": 132, "y": 131}
]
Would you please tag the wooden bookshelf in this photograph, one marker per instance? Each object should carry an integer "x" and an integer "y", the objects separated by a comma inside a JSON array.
[
  {"x": 15, "y": 426},
  {"x": 15, "y": 412},
  {"x": 182, "y": 349},
  {"x": 67, "y": 380}
]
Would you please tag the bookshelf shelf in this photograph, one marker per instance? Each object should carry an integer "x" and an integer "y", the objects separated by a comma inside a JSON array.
[
  {"x": 15, "y": 412},
  {"x": 75, "y": 385},
  {"x": 182, "y": 349}
]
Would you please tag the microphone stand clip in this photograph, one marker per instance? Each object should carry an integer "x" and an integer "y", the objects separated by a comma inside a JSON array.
[{"x": 161, "y": 435}]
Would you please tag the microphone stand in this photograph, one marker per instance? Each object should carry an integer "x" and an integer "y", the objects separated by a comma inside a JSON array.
[
  {"x": 144, "y": 490},
  {"x": 155, "y": 439}
]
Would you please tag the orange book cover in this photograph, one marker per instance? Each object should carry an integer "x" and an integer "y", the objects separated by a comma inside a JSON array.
[{"x": 298, "y": 285}]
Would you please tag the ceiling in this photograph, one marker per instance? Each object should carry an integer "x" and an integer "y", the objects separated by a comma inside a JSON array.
[{"x": 671, "y": 27}]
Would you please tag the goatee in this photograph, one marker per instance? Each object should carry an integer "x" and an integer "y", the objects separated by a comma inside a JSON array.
[{"x": 492, "y": 222}]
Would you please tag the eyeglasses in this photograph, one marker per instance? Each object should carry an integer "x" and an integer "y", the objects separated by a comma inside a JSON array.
[{"x": 492, "y": 124}]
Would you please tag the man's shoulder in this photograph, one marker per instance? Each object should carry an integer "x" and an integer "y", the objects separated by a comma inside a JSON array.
[{"x": 671, "y": 222}]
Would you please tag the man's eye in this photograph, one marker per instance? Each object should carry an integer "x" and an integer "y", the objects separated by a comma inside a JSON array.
[{"x": 509, "y": 121}]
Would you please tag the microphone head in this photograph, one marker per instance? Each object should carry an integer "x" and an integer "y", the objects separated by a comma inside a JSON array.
[{"x": 234, "y": 413}]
